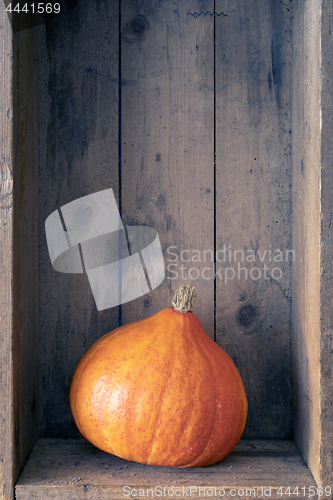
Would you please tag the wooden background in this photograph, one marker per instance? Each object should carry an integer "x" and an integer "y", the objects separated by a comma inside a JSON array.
[{"x": 186, "y": 116}]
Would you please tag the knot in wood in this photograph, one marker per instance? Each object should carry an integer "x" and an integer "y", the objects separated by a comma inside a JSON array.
[
  {"x": 139, "y": 25},
  {"x": 247, "y": 315}
]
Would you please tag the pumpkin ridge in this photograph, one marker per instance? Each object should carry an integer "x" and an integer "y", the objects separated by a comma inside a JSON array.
[
  {"x": 213, "y": 345},
  {"x": 186, "y": 341},
  {"x": 192, "y": 463},
  {"x": 237, "y": 376},
  {"x": 189, "y": 342},
  {"x": 163, "y": 399},
  {"x": 207, "y": 363},
  {"x": 210, "y": 352}
]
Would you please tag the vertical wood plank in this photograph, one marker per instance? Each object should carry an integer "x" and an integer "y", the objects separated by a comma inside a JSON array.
[
  {"x": 167, "y": 66},
  {"x": 312, "y": 208},
  {"x": 7, "y": 465},
  {"x": 25, "y": 244},
  {"x": 326, "y": 264},
  {"x": 253, "y": 206},
  {"x": 18, "y": 250},
  {"x": 306, "y": 229},
  {"x": 78, "y": 138}
]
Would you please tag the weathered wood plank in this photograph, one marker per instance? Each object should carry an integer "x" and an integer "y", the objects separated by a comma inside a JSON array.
[
  {"x": 306, "y": 229},
  {"x": 8, "y": 468},
  {"x": 75, "y": 469},
  {"x": 312, "y": 239},
  {"x": 167, "y": 68},
  {"x": 253, "y": 205},
  {"x": 25, "y": 244},
  {"x": 78, "y": 137},
  {"x": 18, "y": 250},
  {"x": 326, "y": 264}
]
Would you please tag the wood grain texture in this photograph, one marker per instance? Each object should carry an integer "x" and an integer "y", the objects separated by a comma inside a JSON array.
[
  {"x": 170, "y": 135},
  {"x": 306, "y": 230},
  {"x": 25, "y": 244},
  {"x": 19, "y": 285},
  {"x": 75, "y": 469},
  {"x": 167, "y": 178},
  {"x": 326, "y": 267},
  {"x": 8, "y": 468},
  {"x": 253, "y": 205},
  {"x": 167, "y": 69},
  {"x": 78, "y": 139}
]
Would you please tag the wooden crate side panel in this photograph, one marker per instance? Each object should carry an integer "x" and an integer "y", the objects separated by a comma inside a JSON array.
[
  {"x": 19, "y": 284},
  {"x": 253, "y": 205},
  {"x": 8, "y": 468},
  {"x": 306, "y": 229},
  {"x": 326, "y": 271},
  {"x": 78, "y": 156},
  {"x": 167, "y": 68},
  {"x": 25, "y": 245}
]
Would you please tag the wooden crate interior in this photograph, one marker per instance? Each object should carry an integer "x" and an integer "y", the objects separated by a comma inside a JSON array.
[
  {"x": 211, "y": 122},
  {"x": 161, "y": 163}
]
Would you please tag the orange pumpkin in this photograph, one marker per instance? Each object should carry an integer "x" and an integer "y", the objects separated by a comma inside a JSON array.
[{"x": 160, "y": 391}]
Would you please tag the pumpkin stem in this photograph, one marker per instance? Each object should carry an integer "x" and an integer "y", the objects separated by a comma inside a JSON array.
[{"x": 184, "y": 298}]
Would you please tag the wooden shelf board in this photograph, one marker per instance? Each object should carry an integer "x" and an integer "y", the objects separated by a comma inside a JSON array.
[{"x": 74, "y": 469}]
